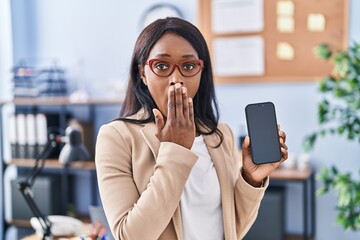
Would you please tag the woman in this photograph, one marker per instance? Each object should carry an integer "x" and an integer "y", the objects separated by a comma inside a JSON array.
[{"x": 166, "y": 168}]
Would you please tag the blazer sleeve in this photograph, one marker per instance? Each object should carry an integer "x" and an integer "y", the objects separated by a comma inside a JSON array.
[
  {"x": 247, "y": 197},
  {"x": 134, "y": 215},
  {"x": 247, "y": 204}
]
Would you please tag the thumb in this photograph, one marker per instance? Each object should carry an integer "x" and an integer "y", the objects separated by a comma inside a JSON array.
[
  {"x": 246, "y": 146},
  {"x": 159, "y": 120}
]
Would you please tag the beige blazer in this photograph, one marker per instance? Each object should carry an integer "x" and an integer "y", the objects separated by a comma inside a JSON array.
[{"x": 141, "y": 181}]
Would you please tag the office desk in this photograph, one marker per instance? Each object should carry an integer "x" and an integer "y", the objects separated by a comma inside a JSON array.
[
  {"x": 307, "y": 180},
  {"x": 282, "y": 175}
]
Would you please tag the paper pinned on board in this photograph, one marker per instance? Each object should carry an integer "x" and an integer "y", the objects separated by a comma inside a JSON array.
[
  {"x": 231, "y": 16},
  {"x": 316, "y": 22},
  {"x": 285, "y": 51},
  {"x": 285, "y": 24},
  {"x": 285, "y": 8},
  {"x": 238, "y": 56}
]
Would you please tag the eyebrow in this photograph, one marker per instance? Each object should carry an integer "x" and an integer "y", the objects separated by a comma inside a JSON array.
[{"x": 168, "y": 55}]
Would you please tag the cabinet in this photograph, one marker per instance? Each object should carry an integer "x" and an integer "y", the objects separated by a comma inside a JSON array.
[
  {"x": 52, "y": 167},
  {"x": 306, "y": 178}
]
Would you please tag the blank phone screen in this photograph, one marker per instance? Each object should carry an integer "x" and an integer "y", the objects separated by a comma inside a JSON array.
[{"x": 263, "y": 132}]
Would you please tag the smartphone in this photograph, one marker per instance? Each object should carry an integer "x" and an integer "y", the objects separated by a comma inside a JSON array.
[{"x": 263, "y": 132}]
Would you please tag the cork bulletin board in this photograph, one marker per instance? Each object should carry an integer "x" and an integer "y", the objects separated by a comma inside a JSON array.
[{"x": 271, "y": 40}]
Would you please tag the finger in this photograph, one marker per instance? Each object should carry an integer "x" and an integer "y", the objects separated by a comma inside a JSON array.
[
  {"x": 284, "y": 154},
  {"x": 159, "y": 121},
  {"x": 178, "y": 101},
  {"x": 191, "y": 111},
  {"x": 246, "y": 152},
  {"x": 282, "y": 135},
  {"x": 185, "y": 103},
  {"x": 171, "y": 103},
  {"x": 282, "y": 144},
  {"x": 246, "y": 145},
  {"x": 246, "y": 142}
]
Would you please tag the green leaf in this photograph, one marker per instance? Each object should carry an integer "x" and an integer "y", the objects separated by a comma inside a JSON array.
[
  {"x": 322, "y": 191},
  {"x": 322, "y": 132},
  {"x": 323, "y": 51},
  {"x": 341, "y": 129},
  {"x": 327, "y": 84},
  {"x": 309, "y": 142},
  {"x": 323, "y": 110},
  {"x": 334, "y": 170}
]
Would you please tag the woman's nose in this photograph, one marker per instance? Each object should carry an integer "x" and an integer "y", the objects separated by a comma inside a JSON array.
[{"x": 176, "y": 77}]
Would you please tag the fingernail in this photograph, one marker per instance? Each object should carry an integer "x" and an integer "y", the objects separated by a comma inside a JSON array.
[
  {"x": 190, "y": 100},
  {"x": 178, "y": 85},
  {"x": 171, "y": 88},
  {"x": 183, "y": 90}
]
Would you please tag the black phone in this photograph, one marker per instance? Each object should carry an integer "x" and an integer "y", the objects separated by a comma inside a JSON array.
[{"x": 263, "y": 132}]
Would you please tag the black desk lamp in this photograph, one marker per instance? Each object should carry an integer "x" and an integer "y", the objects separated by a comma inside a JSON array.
[{"x": 72, "y": 151}]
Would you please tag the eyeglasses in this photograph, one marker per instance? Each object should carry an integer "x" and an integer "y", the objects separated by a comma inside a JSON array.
[{"x": 164, "y": 68}]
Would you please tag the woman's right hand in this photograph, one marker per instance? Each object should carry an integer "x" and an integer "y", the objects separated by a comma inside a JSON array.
[{"x": 179, "y": 126}]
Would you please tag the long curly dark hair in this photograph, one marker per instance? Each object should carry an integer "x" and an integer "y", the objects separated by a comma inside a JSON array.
[{"x": 137, "y": 94}]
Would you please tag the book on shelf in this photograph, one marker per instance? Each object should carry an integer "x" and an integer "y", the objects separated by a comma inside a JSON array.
[
  {"x": 41, "y": 132},
  {"x": 21, "y": 135},
  {"x": 27, "y": 134},
  {"x": 12, "y": 135},
  {"x": 30, "y": 136}
]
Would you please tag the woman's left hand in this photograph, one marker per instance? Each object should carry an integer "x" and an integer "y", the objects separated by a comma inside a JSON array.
[{"x": 255, "y": 174}]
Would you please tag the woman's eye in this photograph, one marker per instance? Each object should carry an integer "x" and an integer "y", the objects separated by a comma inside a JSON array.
[
  {"x": 188, "y": 66},
  {"x": 161, "y": 66}
]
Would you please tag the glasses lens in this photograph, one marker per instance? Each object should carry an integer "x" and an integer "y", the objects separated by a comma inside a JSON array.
[
  {"x": 190, "y": 68},
  {"x": 161, "y": 67}
]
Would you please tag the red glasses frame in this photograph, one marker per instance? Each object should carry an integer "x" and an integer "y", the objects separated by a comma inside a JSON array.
[{"x": 198, "y": 61}]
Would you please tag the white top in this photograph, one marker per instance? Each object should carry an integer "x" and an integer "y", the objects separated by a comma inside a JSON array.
[{"x": 200, "y": 203}]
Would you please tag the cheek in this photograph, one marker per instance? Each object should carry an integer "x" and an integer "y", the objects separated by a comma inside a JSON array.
[
  {"x": 193, "y": 87},
  {"x": 159, "y": 93}
]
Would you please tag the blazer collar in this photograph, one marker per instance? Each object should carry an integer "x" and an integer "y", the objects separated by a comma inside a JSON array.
[{"x": 148, "y": 132}]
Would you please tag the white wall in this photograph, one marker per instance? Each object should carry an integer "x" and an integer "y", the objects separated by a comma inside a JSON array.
[
  {"x": 6, "y": 63},
  {"x": 6, "y": 51},
  {"x": 93, "y": 39},
  {"x": 101, "y": 34}
]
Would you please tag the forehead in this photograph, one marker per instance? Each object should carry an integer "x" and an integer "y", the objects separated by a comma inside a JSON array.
[{"x": 173, "y": 46}]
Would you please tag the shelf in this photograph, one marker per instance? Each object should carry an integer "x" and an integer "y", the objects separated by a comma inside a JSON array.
[
  {"x": 19, "y": 223},
  {"x": 51, "y": 101},
  {"x": 85, "y": 169},
  {"x": 54, "y": 163},
  {"x": 295, "y": 237},
  {"x": 291, "y": 174}
]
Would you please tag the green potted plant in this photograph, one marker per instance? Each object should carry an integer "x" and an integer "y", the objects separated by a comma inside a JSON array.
[{"x": 339, "y": 114}]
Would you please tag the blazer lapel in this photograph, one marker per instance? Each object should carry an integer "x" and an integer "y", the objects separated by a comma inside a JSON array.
[
  {"x": 148, "y": 133},
  {"x": 217, "y": 156}
]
